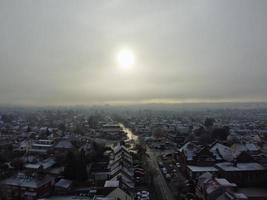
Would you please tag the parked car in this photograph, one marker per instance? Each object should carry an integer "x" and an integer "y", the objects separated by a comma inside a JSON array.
[
  {"x": 143, "y": 195},
  {"x": 164, "y": 170},
  {"x": 168, "y": 176}
]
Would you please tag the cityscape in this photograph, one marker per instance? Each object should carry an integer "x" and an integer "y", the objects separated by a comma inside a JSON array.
[
  {"x": 108, "y": 153},
  {"x": 133, "y": 100}
]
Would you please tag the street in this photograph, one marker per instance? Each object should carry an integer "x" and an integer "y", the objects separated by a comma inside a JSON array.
[{"x": 159, "y": 181}]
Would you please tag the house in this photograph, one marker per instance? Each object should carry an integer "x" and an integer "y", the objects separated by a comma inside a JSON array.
[
  {"x": 254, "y": 193},
  {"x": 244, "y": 157},
  {"x": 204, "y": 157},
  {"x": 102, "y": 193},
  {"x": 23, "y": 187},
  {"x": 23, "y": 145},
  {"x": 121, "y": 167},
  {"x": 221, "y": 152},
  {"x": 112, "y": 184},
  {"x": 243, "y": 174},
  {"x": 63, "y": 186},
  {"x": 237, "y": 149},
  {"x": 118, "y": 193},
  {"x": 41, "y": 146},
  {"x": 112, "y": 131},
  {"x": 253, "y": 149},
  {"x": 212, "y": 188},
  {"x": 42, "y": 164},
  {"x": 233, "y": 196},
  {"x": 186, "y": 154},
  {"x": 195, "y": 171},
  {"x": 64, "y": 145},
  {"x": 125, "y": 178}
]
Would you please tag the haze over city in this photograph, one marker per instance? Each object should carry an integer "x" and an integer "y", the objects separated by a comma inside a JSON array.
[
  {"x": 97, "y": 52},
  {"x": 133, "y": 100}
]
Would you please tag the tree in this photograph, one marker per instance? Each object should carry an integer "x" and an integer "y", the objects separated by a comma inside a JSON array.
[
  {"x": 200, "y": 131},
  {"x": 70, "y": 166},
  {"x": 221, "y": 133},
  {"x": 209, "y": 122},
  {"x": 2, "y": 159},
  {"x": 141, "y": 150},
  {"x": 93, "y": 121},
  {"x": 99, "y": 148},
  {"x": 28, "y": 129},
  {"x": 17, "y": 164},
  {"x": 152, "y": 172},
  {"x": 62, "y": 127},
  {"x": 205, "y": 139},
  {"x": 81, "y": 170},
  {"x": 79, "y": 130},
  {"x": 7, "y": 118},
  {"x": 159, "y": 132},
  {"x": 76, "y": 166}
]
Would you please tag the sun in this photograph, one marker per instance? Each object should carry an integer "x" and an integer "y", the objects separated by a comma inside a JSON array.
[{"x": 125, "y": 59}]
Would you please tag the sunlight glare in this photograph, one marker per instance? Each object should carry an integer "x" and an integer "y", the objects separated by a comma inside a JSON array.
[{"x": 125, "y": 59}]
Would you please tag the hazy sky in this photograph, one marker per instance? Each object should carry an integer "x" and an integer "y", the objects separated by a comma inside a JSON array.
[{"x": 63, "y": 51}]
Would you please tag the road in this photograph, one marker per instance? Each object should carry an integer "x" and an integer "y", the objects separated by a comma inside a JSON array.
[{"x": 159, "y": 180}]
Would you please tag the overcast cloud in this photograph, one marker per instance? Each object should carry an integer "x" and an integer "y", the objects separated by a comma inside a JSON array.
[{"x": 60, "y": 52}]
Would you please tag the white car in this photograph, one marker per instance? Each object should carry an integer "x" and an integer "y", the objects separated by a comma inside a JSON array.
[
  {"x": 145, "y": 198},
  {"x": 145, "y": 192},
  {"x": 168, "y": 176},
  {"x": 144, "y": 195},
  {"x": 164, "y": 170}
]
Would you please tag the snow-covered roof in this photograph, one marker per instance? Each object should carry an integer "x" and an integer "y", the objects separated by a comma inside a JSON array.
[
  {"x": 222, "y": 152},
  {"x": 125, "y": 180},
  {"x": 195, "y": 168},
  {"x": 252, "y": 147},
  {"x": 63, "y": 183},
  {"x": 189, "y": 150},
  {"x": 45, "y": 164},
  {"x": 237, "y": 149},
  {"x": 123, "y": 169},
  {"x": 224, "y": 182},
  {"x": 204, "y": 177},
  {"x": 64, "y": 144},
  {"x": 26, "y": 181},
  {"x": 119, "y": 147},
  {"x": 112, "y": 184}
]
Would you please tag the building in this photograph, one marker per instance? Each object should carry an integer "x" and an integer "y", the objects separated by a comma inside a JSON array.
[
  {"x": 23, "y": 187},
  {"x": 243, "y": 174},
  {"x": 63, "y": 186},
  {"x": 211, "y": 188}
]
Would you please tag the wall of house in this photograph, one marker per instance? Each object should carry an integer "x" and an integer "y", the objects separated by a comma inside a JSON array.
[{"x": 245, "y": 178}]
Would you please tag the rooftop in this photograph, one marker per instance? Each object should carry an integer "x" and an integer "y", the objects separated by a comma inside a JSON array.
[
  {"x": 227, "y": 166},
  {"x": 26, "y": 181},
  {"x": 195, "y": 168}
]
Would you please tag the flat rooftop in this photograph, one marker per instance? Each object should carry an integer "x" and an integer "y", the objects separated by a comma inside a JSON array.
[{"x": 227, "y": 166}]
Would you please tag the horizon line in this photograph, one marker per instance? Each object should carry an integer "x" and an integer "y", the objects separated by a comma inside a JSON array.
[{"x": 130, "y": 103}]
